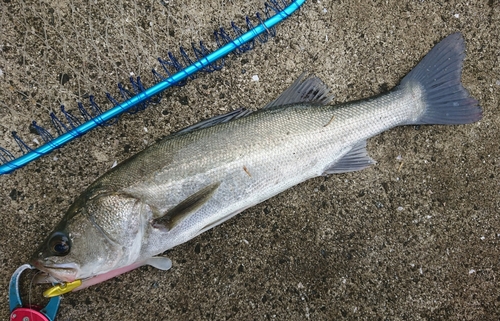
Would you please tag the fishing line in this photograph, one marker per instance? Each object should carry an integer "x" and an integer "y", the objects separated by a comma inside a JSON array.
[
  {"x": 175, "y": 70},
  {"x": 30, "y": 292}
]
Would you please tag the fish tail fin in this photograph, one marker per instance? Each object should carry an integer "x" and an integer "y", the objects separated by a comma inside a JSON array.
[{"x": 438, "y": 75}]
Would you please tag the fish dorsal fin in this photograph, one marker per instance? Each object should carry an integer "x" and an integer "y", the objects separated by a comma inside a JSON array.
[
  {"x": 185, "y": 208},
  {"x": 306, "y": 89},
  {"x": 235, "y": 114},
  {"x": 356, "y": 159}
]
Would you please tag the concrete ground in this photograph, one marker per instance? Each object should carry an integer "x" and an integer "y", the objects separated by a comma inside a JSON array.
[{"x": 415, "y": 237}]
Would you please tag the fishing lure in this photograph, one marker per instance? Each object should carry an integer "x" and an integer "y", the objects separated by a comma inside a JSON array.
[{"x": 71, "y": 127}]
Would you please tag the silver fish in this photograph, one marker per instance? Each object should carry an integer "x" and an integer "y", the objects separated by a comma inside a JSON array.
[{"x": 200, "y": 177}]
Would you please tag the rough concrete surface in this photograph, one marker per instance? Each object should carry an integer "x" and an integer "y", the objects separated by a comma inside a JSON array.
[{"x": 415, "y": 237}]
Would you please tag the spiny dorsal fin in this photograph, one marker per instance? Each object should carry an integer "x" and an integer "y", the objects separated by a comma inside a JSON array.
[
  {"x": 235, "y": 114},
  {"x": 306, "y": 89},
  {"x": 185, "y": 208},
  {"x": 356, "y": 159}
]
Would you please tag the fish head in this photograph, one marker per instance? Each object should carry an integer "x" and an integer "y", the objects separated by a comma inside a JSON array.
[{"x": 98, "y": 234}]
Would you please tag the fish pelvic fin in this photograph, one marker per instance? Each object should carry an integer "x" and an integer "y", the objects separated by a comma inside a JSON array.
[
  {"x": 159, "y": 262},
  {"x": 185, "y": 208},
  {"x": 306, "y": 89},
  {"x": 356, "y": 159},
  {"x": 437, "y": 78}
]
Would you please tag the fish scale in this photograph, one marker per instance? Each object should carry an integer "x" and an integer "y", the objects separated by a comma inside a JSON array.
[{"x": 296, "y": 151}]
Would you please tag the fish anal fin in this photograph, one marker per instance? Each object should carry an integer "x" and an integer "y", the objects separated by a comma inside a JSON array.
[
  {"x": 306, "y": 89},
  {"x": 356, "y": 159},
  {"x": 185, "y": 208}
]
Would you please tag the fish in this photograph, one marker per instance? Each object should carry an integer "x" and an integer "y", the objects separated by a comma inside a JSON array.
[{"x": 196, "y": 179}]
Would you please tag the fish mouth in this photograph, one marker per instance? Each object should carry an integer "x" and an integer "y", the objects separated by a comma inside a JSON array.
[
  {"x": 51, "y": 272},
  {"x": 55, "y": 272}
]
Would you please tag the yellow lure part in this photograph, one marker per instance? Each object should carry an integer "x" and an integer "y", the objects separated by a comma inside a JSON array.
[{"x": 62, "y": 288}]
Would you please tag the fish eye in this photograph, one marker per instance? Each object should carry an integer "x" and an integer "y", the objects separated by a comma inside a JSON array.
[{"x": 59, "y": 244}]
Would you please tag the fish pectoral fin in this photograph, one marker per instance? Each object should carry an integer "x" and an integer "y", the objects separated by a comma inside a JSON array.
[
  {"x": 356, "y": 159},
  {"x": 306, "y": 89},
  {"x": 159, "y": 262},
  {"x": 185, "y": 208}
]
